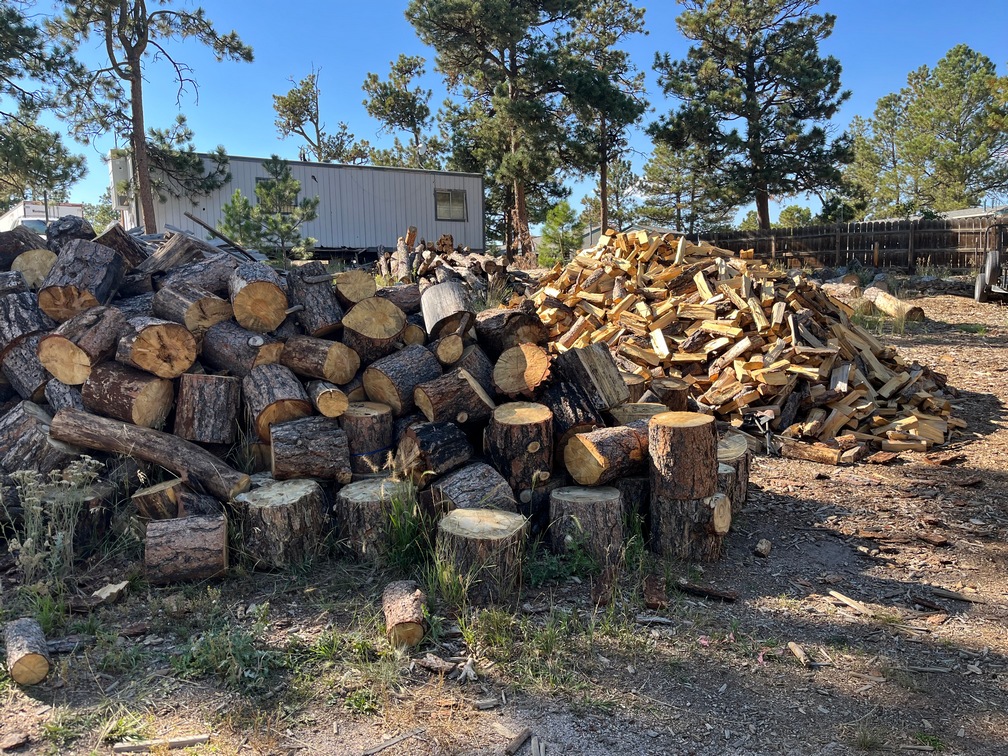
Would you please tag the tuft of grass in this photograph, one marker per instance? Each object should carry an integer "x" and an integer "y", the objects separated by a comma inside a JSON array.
[
  {"x": 362, "y": 702},
  {"x": 930, "y": 740},
  {"x": 868, "y": 739},
  {"x": 498, "y": 292},
  {"x": 408, "y": 532},
  {"x": 542, "y": 566},
  {"x": 976, "y": 328}
]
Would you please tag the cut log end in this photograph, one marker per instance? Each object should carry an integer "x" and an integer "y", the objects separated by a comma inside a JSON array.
[{"x": 521, "y": 370}]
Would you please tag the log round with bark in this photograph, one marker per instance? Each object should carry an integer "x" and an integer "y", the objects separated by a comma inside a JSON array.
[
  {"x": 683, "y": 452},
  {"x": 28, "y": 658},
  {"x": 258, "y": 297},
  {"x": 20, "y": 317},
  {"x": 499, "y": 329},
  {"x": 160, "y": 501},
  {"x": 455, "y": 397},
  {"x": 474, "y": 486},
  {"x": 892, "y": 306},
  {"x": 589, "y": 519},
  {"x": 186, "y": 549},
  {"x": 207, "y": 407},
  {"x": 448, "y": 349},
  {"x": 318, "y": 358},
  {"x": 14, "y": 242},
  {"x": 573, "y": 413},
  {"x": 59, "y": 396},
  {"x": 414, "y": 332},
  {"x": 12, "y": 282},
  {"x": 26, "y": 441},
  {"x": 483, "y": 548},
  {"x": 446, "y": 309},
  {"x": 196, "y": 309},
  {"x": 73, "y": 349},
  {"x": 321, "y": 314},
  {"x": 133, "y": 250},
  {"x": 354, "y": 390},
  {"x": 518, "y": 442},
  {"x": 672, "y": 392},
  {"x": 123, "y": 393},
  {"x": 593, "y": 369},
  {"x": 273, "y": 394},
  {"x": 24, "y": 371},
  {"x": 733, "y": 451},
  {"x": 85, "y": 275},
  {"x": 311, "y": 447},
  {"x": 34, "y": 265},
  {"x": 369, "y": 430},
  {"x": 691, "y": 530},
  {"x": 228, "y": 346},
  {"x": 605, "y": 454},
  {"x": 361, "y": 513},
  {"x": 403, "y": 605},
  {"x": 372, "y": 327},
  {"x": 427, "y": 451},
  {"x": 329, "y": 400},
  {"x": 393, "y": 379},
  {"x": 521, "y": 370},
  {"x": 405, "y": 296},
  {"x": 211, "y": 274},
  {"x": 284, "y": 523},
  {"x": 158, "y": 346},
  {"x": 636, "y": 385},
  {"x": 353, "y": 286},
  {"x": 475, "y": 362}
]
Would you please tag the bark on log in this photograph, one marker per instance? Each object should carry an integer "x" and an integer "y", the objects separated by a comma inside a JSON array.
[
  {"x": 133, "y": 251},
  {"x": 369, "y": 428},
  {"x": 85, "y": 275},
  {"x": 34, "y": 265},
  {"x": 392, "y": 379},
  {"x": 484, "y": 548},
  {"x": 631, "y": 412},
  {"x": 733, "y": 451},
  {"x": 414, "y": 332},
  {"x": 14, "y": 242},
  {"x": 499, "y": 329},
  {"x": 841, "y": 290},
  {"x": 605, "y": 454},
  {"x": 60, "y": 396},
  {"x": 28, "y": 658},
  {"x": 636, "y": 493},
  {"x": 403, "y": 604},
  {"x": 474, "y": 486},
  {"x": 594, "y": 369},
  {"x": 354, "y": 286},
  {"x": 429, "y": 450},
  {"x": 312, "y": 447},
  {"x": 273, "y": 395},
  {"x": 284, "y": 523},
  {"x": 321, "y": 314},
  {"x": 72, "y": 350},
  {"x": 518, "y": 442},
  {"x": 196, "y": 309},
  {"x": 892, "y": 306},
  {"x": 672, "y": 392},
  {"x": 534, "y": 503},
  {"x": 227, "y": 346},
  {"x": 158, "y": 346},
  {"x": 25, "y": 442},
  {"x": 20, "y": 317},
  {"x": 446, "y": 309},
  {"x": 372, "y": 328},
  {"x": 405, "y": 296},
  {"x": 573, "y": 413},
  {"x": 210, "y": 274},
  {"x": 521, "y": 370},
  {"x": 23, "y": 370},
  {"x": 186, "y": 549},
  {"x": 258, "y": 297},
  {"x": 361, "y": 513},
  {"x": 589, "y": 519},
  {"x": 207, "y": 408},
  {"x": 354, "y": 390},
  {"x": 12, "y": 282},
  {"x": 123, "y": 393},
  {"x": 318, "y": 358},
  {"x": 448, "y": 349},
  {"x": 636, "y": 385},
  {"x": 200, "y": 469},
  {"x": 475, "y": 362},
  {"x": 454, "y": 397},
  {"x": 160, "y": 501},
  {"x": 328, "y": 399}
]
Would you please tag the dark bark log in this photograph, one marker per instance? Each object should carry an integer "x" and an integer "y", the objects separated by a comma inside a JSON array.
[
  {"x": 258, "y": 297},
  {"x": 429, "y": 450},
  {"x": 133, "y": 251},
  {"x": 126, "y": 394},
  {"x": 284, "y": 523},
  {"x": 589, "y": 519},
  {"x": 392, "y": 379},
  {"x": 372, "y": 328},
  {"x": 369, "y": 428},
  {"x": 519, "y": 443},
  {"x": 475, "y": 486},
  {"x": 159, "y": 502},
  {"x": 446, "y": 309},
  {"x": 485, "y": 548},
  {"x": 605, "y": 454},
  {"x": 12, "y": 282},
  {"x": 227, "y": 346},
  {"x": 16, "y": 241},
  {"x": 478, "y": 365},
  {"x": 312, "y": 447},
  {"x": 500, "y": 329},
  {"x": 403, "y": 604},
  {"x": 210, "y": 274},
  {"x": 23, "y": 370},
  {"x": 28, "y": 658},
  {"x": 20, "y": 317},
  {"x": 25, "y": 442},
  {"x": 318, "y": 358},
  {"x": 207, "y": 408},
  {"x": 158, "y": 346},
  {"x": 361, "y": 515},
  {"x": 85, "y": 275},
  {"x": 72, "y": 350},
  {"x": 593, "y": 369},
  {"x": 636, "y": 493},
  {"x": 196, "y": 309},
  {"x": 672, "y": 392},
  {"x": 573, "y": 412},
  {"x": 60, "y": 396},
  {"x": 453, "y": 397},
  {"x": 322, "y": 314},
  {"x": 405, "y": 296},
  {"x": 186, "y": 549},
  {"x": 273, "y": 395}
]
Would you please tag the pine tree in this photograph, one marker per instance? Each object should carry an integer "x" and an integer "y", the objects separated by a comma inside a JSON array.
[
  {"x": 398, "y": 107},
  {"x": 297, "y": 113},
  {"x": 680, "y": 190},
  {"x": 621, "y": 198},
  {"x": 561, "y": 234}
]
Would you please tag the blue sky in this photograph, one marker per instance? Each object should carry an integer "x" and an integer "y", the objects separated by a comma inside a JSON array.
[{"x": 878, "y": 44}]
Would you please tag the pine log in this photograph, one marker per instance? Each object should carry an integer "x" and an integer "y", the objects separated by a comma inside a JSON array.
[
  {"x": 196, "y": 309},
  {"x": 446, "y": 309},
  {"x": 133, "y": 251},
  {"x": 414, "y": 332},
  {"x": 892, "y": 306},
  {"x": 733, "y": 451},
  {"x": 85, "y": 275},
  {"x": 593, "y": 369},
  {"x": 14, "y": 242},
  {"x": 311, "y": 447},
  {"x": 361, "y": 514},
  {"x": 636, "y": 493},
  {"x": 672, "y": 392},
  {"x": 227, "y": 346},
  {"x": 483, "y": 550},
  {"x": 186, "y": 549},
  {"x": 321, "y": 314},
  {"x": 160, "y": 501},
  {"x": 573, "y": 412},
  {"x": 635, "y": 384},
  {"x": 59, "y": 396},
  {"x": 28, "y": 658},
  {"x": 589, "y": 519},
  {"x": 842, "y": 290},
  {"x": 354, "y": 390},
  {"x": 475, "y": 486},
  {"x": 518, "y": 442},
  {"x": 258, "y": 297},
  {"x": 193, "y": 504},
  {"x": 23, "y": 370},
  {"x": 72, "y": 350},
  {"x": 200, "y": 469},
  {"x": 448, "y": 349},
  {"x": 499, "y": 329},
  {"x": 475, "y": 362},
  {"x": 273, "y": 394},
  {"x": 368, "y": 426},
  {"x": 318, "y": 358},
  {"x": 405, "y": 296},
  {"x": 207, "y": 408},
  {"x": 328, "y": 400},
  {"x": 34, "y": 265},
  {"x": 158, "y": 346},
  {"x": 403, "y": 604},
  {"x": 122, "y": 393},
  {"x": 354, "y": 286},
  {"x": 392, "y": 379},
  {"x": 521, "y": 370},
  {"x": 141, "y": 305},
  {"x": 455, "y": 397},
  {"x": 372, "y": 328},
  {"x": 284, "y": 523},
  {"x": 20, "y": 317},
  {"x": 211, "y": 274},
  {"x": 605, "y": 454},
  {"x": 429, "y": 450},
  {"x": 12, "y": 282}
]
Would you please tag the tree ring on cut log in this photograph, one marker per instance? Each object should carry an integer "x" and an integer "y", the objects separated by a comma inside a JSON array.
[
  {"x": 34, "y": 265},
  {"x": 376, "y": 318},
  {"x": 72, "y": 363},
  {"x": 165, "y": 349},
  {"x": 355, "y": 286},
  {"x": 521, "y": 369},
  {"x": 721, "y": 519},
  {"x": 522, "y": 413}
]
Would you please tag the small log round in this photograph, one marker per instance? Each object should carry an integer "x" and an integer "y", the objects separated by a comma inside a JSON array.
[
  {"x": 393, "y": 379},
  {"x": 446, "y": 309},
  {"x": 499, "y": 329},
  {"x": 73, "y": 349},
  {"x": 258, "y": 297},
  {"x": 24, "y": 371},
  {"x": 414, "y": 332},
  {"x": 158, "y": 346},
  {"x": 84, "y": 275},
  {"x": 369, "y": 430},
  {"x": 733, "y": 451},
  {"x": 353, "y": 286},
  {"x": 672, "y": 392},
  {"x": 372, "y": 327},
  {"x": 28, "y": 660},
  {"x": 311, "y": 447},
  {"x": 320, "y": 314},
  {"x": 329, "y": 400},
  {"x": 12, "y": 282},
  {"x": 186, "y": 549},
  {"x": 683, "y": 452},
  {"x": 589, "y": 519},
  {"x": 229, "y": 347},
  {"x": 318, "y": 358},
  {"x": 636, "y": 384},
  {"x": 429, "y": 450},
  {"x": 194, "y": 308},
  {"x": 521, "y": 370},
  {"x": 284, "y": 523},
  {"x": 26, "y": 443},
  {"x": 207, "y": 407},
  {"x": 455, "y": 397},
  {"x": 474, "y": 486},
  {"x": 483, "y": 549},
  {"x": 403, "y": 604},
  {"x": 160, "y": 501},
  {"x": 20, "y": 317},
  {"x": 123, "y": 393},
  {"x": 448, "y": 349},
  {"x": 518, "y": 442},
  {"x": 605, "y": 454},
  {"x": 360, "y": 510},
  {"x": 34, "y": 265},
  {"x": 273, "y": 394}
]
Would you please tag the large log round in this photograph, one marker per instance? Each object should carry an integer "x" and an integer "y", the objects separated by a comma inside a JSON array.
[
  {"x": 207, "y": 407},
  {"x": 589, "y": 519},
  {"x": 393, "y": 379},
  {"x": 85, "y": 275},
  {"x": 520, "y": 370},
  {"x": 372, "y": 327},
  {"x": 194, "y": 308},
  {"x": 429, "y": 450},
  {"x": 605, "y": 454},
  {"x": 329, "y": 400},
  {"x": 307, "y": 287},
  {"x": 284, "y": 523},
  {"x": 446, "y": 309},
  {"x": 318, "y": 358},
  {"x": 123, "y": 393},
  {"x": 475, "y": 486},
  {"x": 73, "y": 349},
  {"x": 499, "y": 329},
  {"x": 158, "y": 346},
  {"x": 20, "y": 317},
  {"x": 361, "y": 513},
  {"x": 455, "y": 397},
  {"x": 683, "y": 452},
  {"x": 519, "y": 442},
  {"x": 228, "y": 346},
  {"x": 24, "y": 371},
  {"x": 354, "y": 286},
  {"x": 186, "y": 549},
  {"x": 26, "y": 441},
  {"x": 258, "y": 297},
  {"x": 34, "y": 265},
  {"x": 482, "y": 549},
  {"x": 311, "y": 447},
  {"x": 573, "y": 413}
]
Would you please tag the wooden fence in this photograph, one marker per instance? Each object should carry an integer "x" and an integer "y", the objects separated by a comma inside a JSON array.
[{"x": 957, "y": 243}]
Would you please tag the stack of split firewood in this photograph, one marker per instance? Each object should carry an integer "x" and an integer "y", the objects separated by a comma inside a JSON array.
[{"x": 759, "y": 348}]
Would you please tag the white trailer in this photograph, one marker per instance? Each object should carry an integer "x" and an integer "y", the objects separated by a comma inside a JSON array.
[{"x": 36, "y": 215}]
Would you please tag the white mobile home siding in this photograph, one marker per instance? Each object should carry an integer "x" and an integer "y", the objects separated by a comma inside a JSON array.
[{"x": 359, "y": 206}]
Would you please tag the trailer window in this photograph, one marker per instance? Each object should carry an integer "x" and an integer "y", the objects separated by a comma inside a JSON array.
[{"x": 450, "y": 204}]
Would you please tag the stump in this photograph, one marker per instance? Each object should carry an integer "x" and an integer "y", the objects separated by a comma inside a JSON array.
[
  {"x": 20, "y": 317},
  {"x": 518, "y": 441},
  {"x": 482, "y": 549},
  {"x": 85, "y": 275},
  {"x": 28, "y": 658},
  {"x": 158, "y": 346},
  {"x": 186, "y": 549},
  {"x": 521, "y": 370},
  {"x": 353, "y": 286},
  {"x": 196, "y": 309},
  {"x": 361, "y": 516},
  {"x": 123, "y": 393},
  {"x": 284, "y": 523},
  {"x": 448, "y": 349},
  {"x": 474, "y": 486},
  {"x": 227, "y": 346},
  {"x": 475, "y": 362},
  {"x": 369, "y": 430},
  {"x": 446, "y": 309},
  {"x": 372, "y": 328},
  {"x": 499, "y": 329},
  {"x": 160, "y": 501},
  {"x": 73, "y": 349},
  {"x": 24, "y": 371},
  {"x": 34, "y": 265},
  {"x": 60, "y": 396},
  {"x": 321, "y": 314},
  {"x": 429, "y": 450},
  {"x": 273, "y": 395},
  {"x": 605, "y": 454},
  {"x": 593, "y": 369},
  {"x": 589, "y": 519},
  {"x": 733, "y": 451},
  {"x": 455, "y": 397},
  {"x": 329, "y": 400},
  {"x": 403, "y": 604},
  {"x": 312, "y": 447},
  {"x": 317, "y": 358},
  {"x": 258, "y": 297},
  {"x": 392, "y": 379},
  {"x": 207, "y": 408}
]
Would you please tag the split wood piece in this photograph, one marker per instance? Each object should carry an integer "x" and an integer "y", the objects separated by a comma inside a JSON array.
[
  {"x": 227, "y": 346},
  {"x": 157, "y": 745},
  {"x": 361, "y": 513},
  {"x": 483, "y": 549},
  {"x": 159, "y": 502},
  {"x": 414, "y": 332},
  {"x": 635, "y": 384},
  {"x": 196, "y": 309},
  {"x": 448, "y": 349},
  {"x": 59, "y": 396},
  {"x": 475, "y": 486},
  {"x": 24, "y": 371},
  {"x": 499, "y": 329},
  {"x": 733, "y": 451},
  {"x": 158, "y": 346},
  {"x": 405, "y": 296},
  {"x": 589, "y": 519},
  {"x": 517, "y": 742},
  {"x": 354, "y": 286},
  {"x": 518, "y": 442},
  {"x": 20, "y": 317},
  {"x": 312, "y": 447},
  {"x": 328, "y": 399},
  {"x": 455, "y": 397},
  {"x": 672, "y": 392},
  {"x": 34, "y": 265},
  {"x": 273, "y": 394},
  {"x": 284, "y": 523},
  {"x": 258, "y": 297},
  {"x": 28, "y": 660},
  {"x": 200, "y": 469},
  {"x": 186, "y": 549},
  {"x": 72, "y": 350},
  {"x": 475, "y": 362},
  {"x": 683, "y": 450},
  {"x": 134, "y": 252},
  {"x": 318, "y": 358},
  {"x": 393, "y": 379},
  {"x": 25, "y": 442},
  {"x": 573, "y": 413},
  {"x": 605, "y": 454},
  {"x": 12, "y": 282},
  {"x": 825, "y": 454},
  {"x": 14, "y": 242},
  {"x": 521, "y": 370},
  {"x": 593, "y": 368},
  {"x": 892, "y": 306},
  {"x": 630, "y": 412},
  {"x": 123, "y": 393},
  {"x": 211, "y": 274},
  {"x": 320, "y": 313},
  {"x": 404, "y": 605},
  {"x": 372, "y": 328},
  {"x": 446, "y": 309},
  {"x": 369, "y": 430},
  {"x": 85, "y": 275},
  {"x": 429, "y": 450},
  {"x": 207, "y": 408}
]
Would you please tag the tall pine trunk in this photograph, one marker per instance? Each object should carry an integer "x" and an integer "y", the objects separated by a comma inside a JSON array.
[
  {"x": 141, "y": 162},
  {"x": 523, "y": 238},
  {"x": 603, "y": 177},
  {"x": 763, "y": 208}
]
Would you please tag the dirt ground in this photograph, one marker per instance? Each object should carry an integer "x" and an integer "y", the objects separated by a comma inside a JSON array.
[{"x": 275, "y": 664}]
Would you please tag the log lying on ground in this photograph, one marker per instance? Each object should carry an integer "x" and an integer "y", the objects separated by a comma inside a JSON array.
[
  {"x": 499, "y": 329},
  {"x": 207, "y": 408},
  {"x": 521, "y": 370},
  {"x": 158, "y": 346},
  {"x": 589, "y": 519},
  {"x": 393, "y": 379},
  {"x": 318, "y": 358},
  {"x": 605, "y": 454},
  {"x": 328, "y": 399},
  {"x": 372, "y": 327},
  {"x": 892, "y": 306},
  {"x": 455, "y": 397},
  {"x": 518, "y": 442},
  {"x": 312, "y": 447},
  {"x": 354, "y": 286},
  {"x": 72, "y": 350},
  {"x": 258, "y": 297},
  {"x": 284, "y": 523},
  {"x": 733, "y": 452},
  {"x": 484, "y": 549},
  {"x": 196, "y": 309},
  {"x": 20, "y": 317},
  {"x": 307, "y": 286},
  {"x": 403, "y": 604},
  {"x": 841, "y": 290},
  {"x": 26, "y": 442},
  {"x": 186, "y": 549},
  {"x": 28, "y": 658},
  {"x": 123, "y": 393},
  {"x": 593, "y": 369},
  {"x": 361, "y": 513},
  {"x": 34, "y": 265},
  {"x": 228, "y": 346},
  {"x": 369, "y": 430},
  {"x": 446, "y": 309},
  {"x": 200, "y": 469},
  {"x": 24, "y": 371},
  {"x": 474, "y": 486},
  {"x": 273, "y": 394},
  {"x": 429, "y": 450},
  {"x": 85, "y": 275}
]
